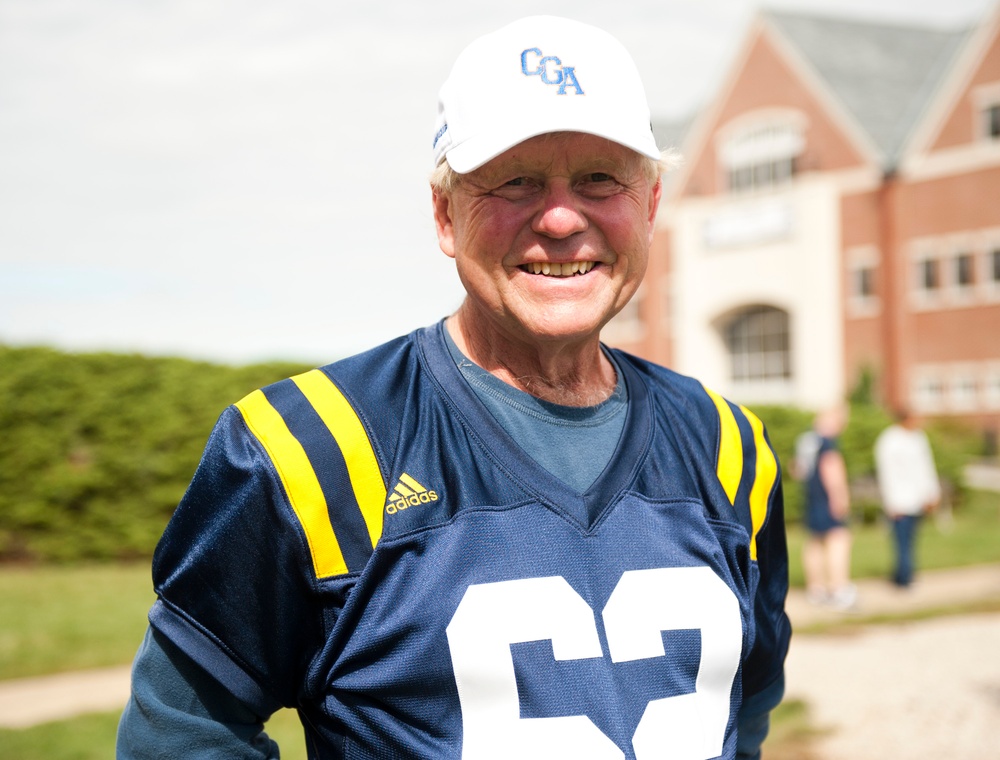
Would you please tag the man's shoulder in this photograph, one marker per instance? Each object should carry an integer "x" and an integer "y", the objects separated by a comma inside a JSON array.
[
  {"x": 659, "y": 378},
  {"x": 685, "y": 394},
  {"x": 367, "y": 386},
  {"x": 374, "y": 367},
  {"x": 385, "y": 360}
]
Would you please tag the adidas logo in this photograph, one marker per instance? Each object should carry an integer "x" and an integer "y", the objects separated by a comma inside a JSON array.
[{"x": 408, "y": 493}]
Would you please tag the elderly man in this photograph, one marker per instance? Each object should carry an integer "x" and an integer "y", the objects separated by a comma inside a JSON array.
[{"x": 494, "y": 537}]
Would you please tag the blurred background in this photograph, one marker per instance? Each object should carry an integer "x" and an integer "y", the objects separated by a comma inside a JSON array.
[{"x": 200, "y": 197}]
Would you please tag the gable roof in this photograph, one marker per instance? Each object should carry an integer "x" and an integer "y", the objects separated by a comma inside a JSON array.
[
  {"x": 671, "y": 133},
  {"x": 883, "y": 74}
]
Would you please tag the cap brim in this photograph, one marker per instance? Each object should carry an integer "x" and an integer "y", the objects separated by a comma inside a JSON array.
[{"x": 475, "y": 152}]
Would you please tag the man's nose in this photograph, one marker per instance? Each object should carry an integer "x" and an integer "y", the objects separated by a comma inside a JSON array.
[{"x": 561, "y": 214}]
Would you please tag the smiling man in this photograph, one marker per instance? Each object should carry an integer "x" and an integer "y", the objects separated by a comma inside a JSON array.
[
  {"x": 550, "y": 239},
  {"x": 494, "y": 537}
]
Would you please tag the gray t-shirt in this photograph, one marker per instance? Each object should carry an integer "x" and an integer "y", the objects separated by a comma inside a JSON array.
[{"x": 573, "y": 443}]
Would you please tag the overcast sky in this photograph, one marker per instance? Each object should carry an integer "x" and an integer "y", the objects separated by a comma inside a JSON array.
[{"x": 240, "y": 180}]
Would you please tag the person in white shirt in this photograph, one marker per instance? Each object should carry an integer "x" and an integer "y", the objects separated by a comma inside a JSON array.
[{"x": 909, "y": 486}]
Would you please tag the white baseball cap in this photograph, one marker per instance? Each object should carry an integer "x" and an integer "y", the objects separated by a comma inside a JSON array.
[{"x": 538, "y": 75}]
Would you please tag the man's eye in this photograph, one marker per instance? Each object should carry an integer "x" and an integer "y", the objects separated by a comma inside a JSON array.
[
  {"x": 598, "y": 185},
  {"x": 517, "y": 188}
]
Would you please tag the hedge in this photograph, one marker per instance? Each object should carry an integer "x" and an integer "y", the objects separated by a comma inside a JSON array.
[{"x": 97, "y": 448}]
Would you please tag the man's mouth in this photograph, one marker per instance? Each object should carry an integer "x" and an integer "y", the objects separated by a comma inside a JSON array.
[{"x": 549, "y": 269}]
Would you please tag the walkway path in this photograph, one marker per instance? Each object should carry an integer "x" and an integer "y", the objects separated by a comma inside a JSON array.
[
  {"x": 937, "y": 590},
  {"x": 27, "y": 701},
  {"x": 919, "y": 690}
]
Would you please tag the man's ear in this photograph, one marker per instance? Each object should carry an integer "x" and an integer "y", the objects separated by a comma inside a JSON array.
[
  {"x": 443, "y": 223},
  {"x": 654, "y": 204}
]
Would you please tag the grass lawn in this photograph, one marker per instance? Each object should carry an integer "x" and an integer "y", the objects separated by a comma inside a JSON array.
[
  {"x": 92, "y": 737},
  {"x": 55, "y": 619},
  {"x": 971, "y": 536}
]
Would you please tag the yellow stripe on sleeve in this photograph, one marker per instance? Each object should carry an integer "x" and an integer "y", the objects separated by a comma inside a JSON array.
[
  {"x": 730, "y": 464},
  {"x": 362, "y": 465},
  {"x": 767, "y": 473},
  {"x": 300, "y": 482}
]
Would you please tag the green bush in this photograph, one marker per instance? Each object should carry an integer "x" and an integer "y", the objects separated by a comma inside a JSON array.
[{"x": 98, "y": 448}]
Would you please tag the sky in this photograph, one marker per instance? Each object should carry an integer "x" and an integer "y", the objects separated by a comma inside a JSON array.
[{"x": 246, "y": 180}]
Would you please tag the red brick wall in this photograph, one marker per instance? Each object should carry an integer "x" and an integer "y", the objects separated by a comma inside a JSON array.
[
  {"x": 960, "y": 127},
  {"x": 766, "y": 81}
]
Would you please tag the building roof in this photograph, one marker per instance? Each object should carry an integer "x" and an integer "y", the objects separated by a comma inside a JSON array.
[
  {"x": 884, "y": 75},
  {"x": 671, "y": 133}
]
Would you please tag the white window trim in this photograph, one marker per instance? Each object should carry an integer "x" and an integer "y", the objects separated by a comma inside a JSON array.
[
  {"x": 920, "y": 398},
  {"x": 727, "y": 138},
  {"x": 991, "y": 386},
  {"x": 960, "y": 376},
  {"x": 988, "y": 288}
]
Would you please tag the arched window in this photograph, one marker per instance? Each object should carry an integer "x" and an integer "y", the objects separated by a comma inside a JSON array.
[
  {"x": 757, "y": 341},
  {"x": 761, "y": 155}
]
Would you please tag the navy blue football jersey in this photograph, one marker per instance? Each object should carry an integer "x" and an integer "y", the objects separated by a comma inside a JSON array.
[{"x": 366, "y": 544}]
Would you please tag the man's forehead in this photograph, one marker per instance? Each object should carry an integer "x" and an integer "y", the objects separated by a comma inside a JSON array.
[{"x": 573, "y": 151}]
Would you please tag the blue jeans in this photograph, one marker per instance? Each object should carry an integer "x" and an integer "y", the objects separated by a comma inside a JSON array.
[{"x": 904, "y": 531}]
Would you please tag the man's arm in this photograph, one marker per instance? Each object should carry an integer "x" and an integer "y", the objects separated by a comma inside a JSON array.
[
  {"x": 754, "y": 720},
  {"x": 177, "y": 710},
  {"x": 763, "y": 670}
]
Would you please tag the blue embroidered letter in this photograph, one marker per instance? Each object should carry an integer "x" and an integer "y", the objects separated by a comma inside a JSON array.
[
  {"x": 569, "y": 80},
  {"x": 543, "y": 65},
  {"x": 554, "y": 74},
  {"x": 524, "y": 62}
]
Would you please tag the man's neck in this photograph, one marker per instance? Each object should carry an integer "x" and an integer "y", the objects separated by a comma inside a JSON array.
[{"x": 569, "y": 374}]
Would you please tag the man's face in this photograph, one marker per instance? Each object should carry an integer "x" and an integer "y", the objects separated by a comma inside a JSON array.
[{"x": 551, "y": 238}]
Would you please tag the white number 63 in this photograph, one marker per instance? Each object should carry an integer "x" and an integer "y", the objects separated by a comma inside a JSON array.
[{"x": 493, "y": 616}]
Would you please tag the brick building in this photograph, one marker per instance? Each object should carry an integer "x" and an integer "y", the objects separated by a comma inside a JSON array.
[{"x": 837, "y": 215}]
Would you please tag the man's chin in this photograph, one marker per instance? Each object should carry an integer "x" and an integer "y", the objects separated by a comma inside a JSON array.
[{"x": 568, "y": 328}]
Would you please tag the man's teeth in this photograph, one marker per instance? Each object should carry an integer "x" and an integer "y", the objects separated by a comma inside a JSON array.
[{"x": 559, "y": 270}]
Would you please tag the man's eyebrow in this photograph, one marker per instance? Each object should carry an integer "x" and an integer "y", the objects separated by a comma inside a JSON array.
[{"x": 514, "y": 168}]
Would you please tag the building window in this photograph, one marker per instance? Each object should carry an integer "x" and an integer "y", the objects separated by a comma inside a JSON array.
[
  {"x": 864, "y": 282},
  {"x": 991, "y": 386},
  {"x": 964, "y": 390},
  {"x": 757, "y": 340},
  {"x": 928, "y": 391},
  {"x": 988, "y": 270},
  {"x": 964, "y": 271},
  {"x": 928, "y": 275},
  {"x": 991, "y": 121},
  {"x": 762, "y": 156},
  {"x": 862, "y": 267}
]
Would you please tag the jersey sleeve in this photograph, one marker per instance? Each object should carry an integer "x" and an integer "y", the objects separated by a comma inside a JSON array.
[
  {"x": 177, "y": 710},
  {"x": 263, "y": 549},
  {"x": 769, "y": 551},
  {"x": 750, "y": 474},
  {"x": 765, "y": 665}
]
